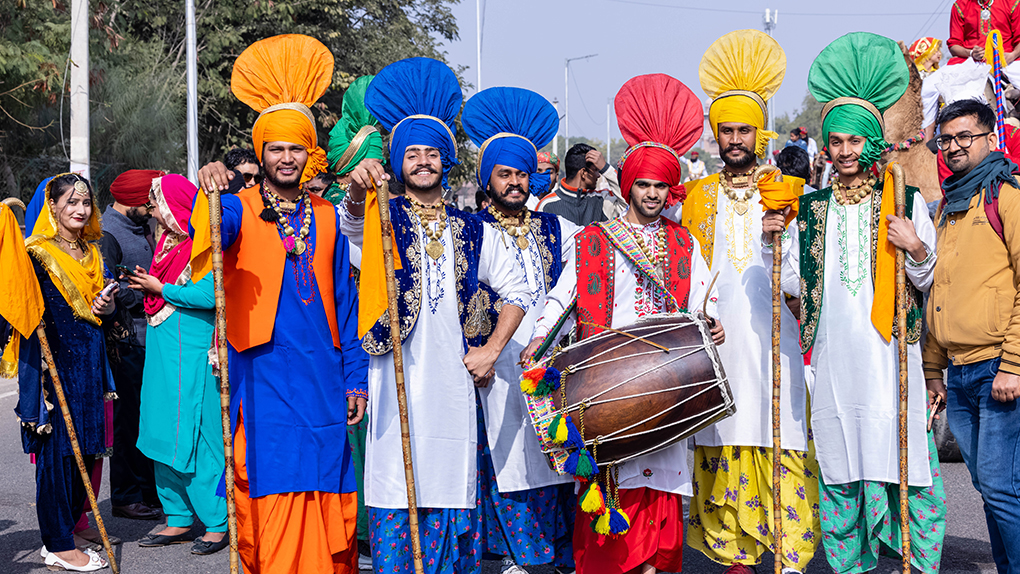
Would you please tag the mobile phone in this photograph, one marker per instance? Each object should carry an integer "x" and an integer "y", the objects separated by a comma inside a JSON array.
[
  {"x": 934, "y": 410},
  {"x": 106, "y": 290},
  {"x": 124, "y": 270}
]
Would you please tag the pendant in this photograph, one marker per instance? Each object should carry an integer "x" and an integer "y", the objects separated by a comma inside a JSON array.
[
  {"x": 522, "y": 241},
  {"x": 740, "y": 180},
  {"x": 986, "y": 14},
  {"x": 740, "y": 206},
  {"x": 434, "y": 248},
  {"x": 299, "y": 246}
]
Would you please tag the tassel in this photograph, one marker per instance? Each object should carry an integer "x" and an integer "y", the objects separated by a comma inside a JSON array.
[
  {"x": 602, "y": 525},
  {"x": 269, "y": 215},
  {"x": 574, "y": 439},
  {"x": 552, "y": 378},
  {"x": 558, "y": 430},
  {"x": 585, "y": 466},
  {"x": 535, "y": 374},
  {"x": 542, "y": 389},
  {"x": 531, "y": 379},
  {"x": 528, "y": 385},
  {"x": 618, "y": 521},
  {"x": 592, "y": 501}
]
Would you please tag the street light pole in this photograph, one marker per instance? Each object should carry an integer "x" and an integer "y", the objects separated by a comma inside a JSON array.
[
  {"x": 192, "y": 102},
  {"x": 771, "y": 20},
  {"x": 566, "y": 98},
  {"x": 609, "y": 146},
  {"x": 556, "y": 140},
  {"x": 79, "y": 88},
  {"x": 478, "y": 41}
]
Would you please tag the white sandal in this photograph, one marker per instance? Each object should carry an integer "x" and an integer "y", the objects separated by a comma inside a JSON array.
[{"x": 96, "y": 562}]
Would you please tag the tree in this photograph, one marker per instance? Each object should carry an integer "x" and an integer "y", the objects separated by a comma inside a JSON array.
[{"x": 809, "y": 116}]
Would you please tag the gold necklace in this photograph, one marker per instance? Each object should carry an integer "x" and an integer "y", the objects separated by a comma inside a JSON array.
[
  {"x": 513, "y": 229},
  {"x": 434, "y": 248},
  {"x": 745, "y": 182},
  {"x": 660, "y": 238},
  {"x": 70, "y": 244},
  {"x": 846, "y": 195},
  {"x": 293, "y": 245}
]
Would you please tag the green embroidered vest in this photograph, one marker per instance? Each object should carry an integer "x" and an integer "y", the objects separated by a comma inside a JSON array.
[{"x": 811, "y": 222}]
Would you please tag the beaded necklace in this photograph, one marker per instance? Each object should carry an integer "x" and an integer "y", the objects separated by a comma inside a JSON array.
[
  {"x": 434, "y": 247},
  {"x": 986, "y": 16},
  {"x": 846, "y": 195},
  {"x": 730, "y": 183},
  {"x": 295, "y": 246},
  {"x": 512, "y": 228},
  {"x": 656, "y": 259}
]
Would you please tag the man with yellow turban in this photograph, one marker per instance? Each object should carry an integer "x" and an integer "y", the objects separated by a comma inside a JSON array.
[
  {"x": 291, "y": 306},
  {"x": 842, "y": 263},
  {"x": 729, "y": 516}
]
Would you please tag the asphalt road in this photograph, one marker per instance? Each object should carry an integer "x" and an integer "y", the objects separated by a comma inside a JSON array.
[{"x": 966, "y": 546}]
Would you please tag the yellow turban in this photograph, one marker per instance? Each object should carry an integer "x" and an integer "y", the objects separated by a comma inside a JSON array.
[
  {"x": 281, "y": 78},
  {"x": 740, "y": 72}
]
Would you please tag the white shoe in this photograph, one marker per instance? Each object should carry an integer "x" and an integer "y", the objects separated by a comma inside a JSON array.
[
  {"x": 364, "y": 562},
  {"x": 95, "y": 563},
  {"x": 515, "y": 569},
  {"x": 44, "y": 552},
  {"x": 788, "y": 570}
]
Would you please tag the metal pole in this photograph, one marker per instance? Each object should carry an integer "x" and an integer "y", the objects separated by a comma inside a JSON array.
[
  {"x": 609, "y": 141},
  {"x": 192, "y": 67},
  {"x": 478, "y": 40},
  {"x": 771, "y": 19},
  {"x": 556, "y": 140},
  {"x": 79, "y": 88},
  {"x": 566, "y": 105}
]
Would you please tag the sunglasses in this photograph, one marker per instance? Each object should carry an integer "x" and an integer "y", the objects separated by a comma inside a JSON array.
[{"x": 248, "y": 177}]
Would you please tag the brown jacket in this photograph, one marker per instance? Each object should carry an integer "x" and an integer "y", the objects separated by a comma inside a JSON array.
[{"x": 974, "y": 306}]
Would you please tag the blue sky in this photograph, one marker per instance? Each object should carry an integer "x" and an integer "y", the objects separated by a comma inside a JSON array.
[{"x": 525, "y": 42}]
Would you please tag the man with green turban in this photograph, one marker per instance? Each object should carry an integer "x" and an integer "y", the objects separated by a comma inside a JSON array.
[
  {"x": 842, "y": 264},
  {"x": 354, "y": 137}
]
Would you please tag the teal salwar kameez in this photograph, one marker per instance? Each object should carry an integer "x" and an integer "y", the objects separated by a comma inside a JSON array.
[{"x": 180, "y": 419}]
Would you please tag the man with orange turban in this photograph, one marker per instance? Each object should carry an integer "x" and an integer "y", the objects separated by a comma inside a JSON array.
[
  {"x": 733, "y": 458},
  {"x": 291, "y": 305},
  {"x": 127, "y": 240},
  {"x": 634, "y": 266}
]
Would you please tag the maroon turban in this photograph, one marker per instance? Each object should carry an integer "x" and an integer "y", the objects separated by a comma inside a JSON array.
[
  {"x": 131, "y": 188},
  {"x": 661, "y": 119}
]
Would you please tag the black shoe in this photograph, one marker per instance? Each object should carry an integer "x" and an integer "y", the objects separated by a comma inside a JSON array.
[
  {"x": 203, "y": 547},
  {"x": 137, "y": 511},
  {"x": 157, "y": 540}
]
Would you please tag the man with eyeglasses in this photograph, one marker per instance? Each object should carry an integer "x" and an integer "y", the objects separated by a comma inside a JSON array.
[
  {"x": 974, "y": 315},
  {"x": 127, "y": 241},
  {"x": 245, "y": 161}
]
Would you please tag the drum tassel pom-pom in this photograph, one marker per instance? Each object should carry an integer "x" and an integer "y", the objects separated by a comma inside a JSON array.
[
  {"x": 602, "y": 525},
  {"x": 581, "y": 464},
  {"x": 558, "y": 428},
  {"x": 592, "y": 500},
  {"x": 530, "y": 379},
  {"x": 619, "y": 522},
  {"x": 574, "y": 439}
]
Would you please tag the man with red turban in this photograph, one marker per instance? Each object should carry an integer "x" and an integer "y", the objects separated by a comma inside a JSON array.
[
  {"x": 127, "y": 240},
  {"x": 634, "y": 266}
]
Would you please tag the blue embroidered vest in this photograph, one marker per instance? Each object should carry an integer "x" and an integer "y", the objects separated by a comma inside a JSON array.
[
  {"x": 545, "y": 227},
  {"x": 467, "y": 232}
]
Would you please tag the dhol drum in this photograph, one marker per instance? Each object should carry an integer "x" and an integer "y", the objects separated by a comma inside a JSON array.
[{"x": 632, "y": 391}]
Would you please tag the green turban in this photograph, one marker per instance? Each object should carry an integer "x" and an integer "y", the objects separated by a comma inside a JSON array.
[
  {"x": 353, "y": 138},
  {"x": 858, "y": 77}
]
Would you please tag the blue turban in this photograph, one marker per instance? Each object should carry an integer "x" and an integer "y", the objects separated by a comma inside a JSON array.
[
  {"x": 35, "y": 206},
  {"x": 417, "y": 100},
  {"x": 509, "y": 125}
]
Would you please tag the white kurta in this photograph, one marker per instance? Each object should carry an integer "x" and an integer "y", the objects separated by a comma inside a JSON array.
[
  {"x": 745, "y": 309},
  {"x": 668, "y": 467},
  {"x": 516, "y": 452},
  {"x": 855, "y": 396},
  {"x": 440, "y": 391}
]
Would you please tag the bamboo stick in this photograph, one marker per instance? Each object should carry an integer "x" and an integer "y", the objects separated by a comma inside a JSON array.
[
  {"x": 216, "y": 238},
  {"x": 51, "y": 366},
  {"x": 899, "y": 186},
  {"x": 398, "y": 368}
]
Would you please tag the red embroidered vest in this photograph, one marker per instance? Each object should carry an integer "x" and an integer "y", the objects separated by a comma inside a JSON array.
[{"x": 596, "y": 271}]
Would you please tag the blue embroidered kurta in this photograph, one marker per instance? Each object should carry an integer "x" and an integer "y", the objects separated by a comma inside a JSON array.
[{"x": 294, "y": 388}]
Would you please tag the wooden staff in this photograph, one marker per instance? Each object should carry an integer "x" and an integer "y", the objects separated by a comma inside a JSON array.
[
  {"x": 899, "y": 186},
  {"x": 216, "y": 239},
  {"x": 777, "y": 453},
  {"x": 73, "y": 436},
  {"x": 383, "y": 193}
]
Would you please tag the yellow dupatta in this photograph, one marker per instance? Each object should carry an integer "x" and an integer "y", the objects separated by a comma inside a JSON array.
[
  {"x": 78, "y": 281},
  {"x": 21, "y": 302}
]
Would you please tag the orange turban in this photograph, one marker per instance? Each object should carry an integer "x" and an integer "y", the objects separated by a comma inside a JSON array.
[{"x": 281, "y": 78}]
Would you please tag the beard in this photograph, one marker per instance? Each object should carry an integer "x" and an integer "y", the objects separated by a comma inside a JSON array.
[
  {"x": 739, "y": 163},
  {"x": 429, "y": 184},
  {"x": 138, "y": 215},
  {"x": 500, "y": 199},
  {"x": 277, "y": 183},
  {"x": 639, "y": 207}
]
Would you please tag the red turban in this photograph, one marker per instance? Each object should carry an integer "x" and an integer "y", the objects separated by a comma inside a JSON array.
[
  {"x": 131, "y": 188},
  {"x": 661, "y": 119}
]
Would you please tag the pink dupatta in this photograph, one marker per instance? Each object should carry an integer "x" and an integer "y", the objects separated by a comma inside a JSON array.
[{"x": 174, "y": 195}]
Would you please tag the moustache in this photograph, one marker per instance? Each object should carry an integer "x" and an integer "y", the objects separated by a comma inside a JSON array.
[
  {"x": 425, "y": 167},
  {"x": 513, "y": 188},
  {"x": 740, "y": 147}
]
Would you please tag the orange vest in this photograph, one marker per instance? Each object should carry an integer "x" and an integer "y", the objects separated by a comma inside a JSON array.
[{"x": 253, "y": 271}]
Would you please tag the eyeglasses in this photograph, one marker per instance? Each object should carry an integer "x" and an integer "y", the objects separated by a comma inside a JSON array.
[
  {"x": 248, "y": 177},
  {"x": 148, "y": 206},
  {"x": 962, "y": 140}
]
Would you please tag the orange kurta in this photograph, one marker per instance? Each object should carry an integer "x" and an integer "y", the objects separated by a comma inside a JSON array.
[{"x": 295, "y": 532}]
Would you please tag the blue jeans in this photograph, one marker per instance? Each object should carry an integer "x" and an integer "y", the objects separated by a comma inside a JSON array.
[{"x": 989, "y": 436}]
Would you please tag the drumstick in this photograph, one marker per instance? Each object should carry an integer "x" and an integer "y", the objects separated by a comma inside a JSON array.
[
  {"x": 631, "y": 335},
  {"x": 704, "y": 304}
]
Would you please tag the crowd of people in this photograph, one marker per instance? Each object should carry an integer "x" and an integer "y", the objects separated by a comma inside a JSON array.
[{"x": 319, "y": 475}]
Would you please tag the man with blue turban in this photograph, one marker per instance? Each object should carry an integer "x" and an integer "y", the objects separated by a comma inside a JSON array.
[
  {"x": 528, "y": 508},
  {"x": 449, "y": 339}
]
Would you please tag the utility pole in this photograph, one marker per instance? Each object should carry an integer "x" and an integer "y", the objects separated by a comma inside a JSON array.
[
  {"x": 556, "y": 139},
  {"x": 770, "y": 22},
  {"x": 192, "y": 67},
  {"x": 609, "y": 142},
  {"x": 478, "y": 42},
  {"x": 79, "y": 88},
  {"x": 566, "y": 97}
]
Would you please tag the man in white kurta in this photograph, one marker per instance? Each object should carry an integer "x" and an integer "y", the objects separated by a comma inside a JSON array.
[
  {"x": 446, "y": 256},
  {"x": 842, "y": 264},
  {"x": 731, "y": 511}
]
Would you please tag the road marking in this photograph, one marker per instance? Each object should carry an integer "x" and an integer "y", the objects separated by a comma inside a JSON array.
[{"x": 10, "y": 394}]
